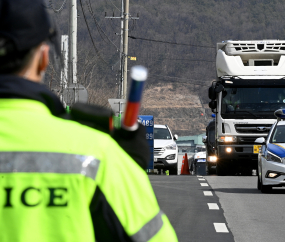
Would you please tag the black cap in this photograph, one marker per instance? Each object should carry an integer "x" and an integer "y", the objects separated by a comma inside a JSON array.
[{"x": 26, "y": 23}]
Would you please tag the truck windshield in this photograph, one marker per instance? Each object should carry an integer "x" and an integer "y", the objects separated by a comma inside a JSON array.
[
  {"x": 252, "y": 103},
  {"x": 161, "y": 133}
]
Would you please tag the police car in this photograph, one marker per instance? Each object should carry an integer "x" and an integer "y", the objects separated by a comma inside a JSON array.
[{"x": 271, "y": 157}]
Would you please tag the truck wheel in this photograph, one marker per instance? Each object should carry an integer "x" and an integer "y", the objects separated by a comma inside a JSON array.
[
  {"x": 221, "y": 168},
  {"x": 246, "y": 171},
  {"x": 209, "y": 169}
]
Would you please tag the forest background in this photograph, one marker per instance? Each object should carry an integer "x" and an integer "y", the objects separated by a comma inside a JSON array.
[{"x": 176, "y": 41}]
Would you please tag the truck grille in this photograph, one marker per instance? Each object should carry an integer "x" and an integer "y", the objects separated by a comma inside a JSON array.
[
  {"x": 242, "y": 48},
  {"x": 246, "y": 140},
  {"x": 253, "y": 128},
  {"x": 158, "y": 151}
]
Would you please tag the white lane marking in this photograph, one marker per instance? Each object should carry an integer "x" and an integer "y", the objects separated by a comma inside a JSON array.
[
  {"x": 199, "y": 176},
  {"x": 204, "y": 184},
  {"x": 213, "y": 206},
  {"x": 208, "y": 193},
  {"x": 221, "y": 228},
  {"x": 202, "y": 179}
]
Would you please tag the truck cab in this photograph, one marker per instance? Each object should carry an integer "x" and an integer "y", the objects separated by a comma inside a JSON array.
[{"x": 250, "y": 86}]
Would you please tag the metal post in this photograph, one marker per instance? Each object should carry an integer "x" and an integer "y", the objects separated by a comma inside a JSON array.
[
  {"x": 64, "y": 71},
  {"x": 64, "y": 53},
  {"x": 125, "y": 49},
  {"x": 121, "y": 52},
  {"x": 72, "y": 70}
]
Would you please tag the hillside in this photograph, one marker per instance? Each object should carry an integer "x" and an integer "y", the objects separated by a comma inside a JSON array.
[
  {"x": 182, "y": 111},
  {"x": 175, "y": 40}
]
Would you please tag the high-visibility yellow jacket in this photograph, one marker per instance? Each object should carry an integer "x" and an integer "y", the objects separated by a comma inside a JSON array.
[{"x": 61, "y": 181}]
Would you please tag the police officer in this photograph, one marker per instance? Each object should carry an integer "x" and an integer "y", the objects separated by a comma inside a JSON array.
[{"x": 60, "y": 180}]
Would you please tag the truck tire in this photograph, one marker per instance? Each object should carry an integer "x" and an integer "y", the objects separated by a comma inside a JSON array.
[
  {"x": 221, "y": 168},
  {"x": 209, "y": 169}
]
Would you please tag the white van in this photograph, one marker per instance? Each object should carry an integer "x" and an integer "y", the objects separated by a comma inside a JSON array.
[{"x": 165, "y": 149}]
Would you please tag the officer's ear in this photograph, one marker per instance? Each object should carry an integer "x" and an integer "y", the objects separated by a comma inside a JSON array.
[{"x": 44, "y": 58}]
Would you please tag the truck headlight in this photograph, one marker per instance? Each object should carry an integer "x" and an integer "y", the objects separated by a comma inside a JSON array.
[
  {"x": 171, "y": 147},
  {"x": 212, "y": 158},
  {"x": 272, "y": 157},
  {"x": 227, "y": 139}
]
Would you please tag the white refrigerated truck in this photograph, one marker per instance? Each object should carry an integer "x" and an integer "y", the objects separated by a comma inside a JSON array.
[{"x": 250, "y": 86}]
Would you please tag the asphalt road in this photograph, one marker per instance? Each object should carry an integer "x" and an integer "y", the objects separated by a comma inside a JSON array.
[
  {"x": 251, "y": 215},
  {"x": 183, "y": 200},
  {"x": 244, "y": 213}
]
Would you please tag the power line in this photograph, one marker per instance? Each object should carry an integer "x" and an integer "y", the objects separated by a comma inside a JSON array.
[
  {"x": 114, "y": 5},
  {"x": 174, "y": 77},
  {"x": 95, "y": 48},
  {"x": 98, "y": 26},
  {"x": 57, "y": 10},
  {"x": 191, "y": 60},
  {"x": 133, "y": 26},
  {"x": 172, "y": 43}
]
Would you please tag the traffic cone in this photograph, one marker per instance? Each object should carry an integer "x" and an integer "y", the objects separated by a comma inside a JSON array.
[
  {"x": 185, "y": 170},
  {"x": 182, "y": 167}
]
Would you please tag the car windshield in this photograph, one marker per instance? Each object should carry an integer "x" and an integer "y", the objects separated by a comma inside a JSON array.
[
  {"x": 201, "y": 149},
  {"x": 161, "y": 133},
  {"x": 252, "y": 103},
  {"x": 278, "y": 135}
]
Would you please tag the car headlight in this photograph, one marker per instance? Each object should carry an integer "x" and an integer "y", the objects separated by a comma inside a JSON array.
[
  {"x": 227, "y": 139},
  {"x": 170, "y": 157},
  {"x": 272, "y": 157},
  {"x": 171, "y": 147}
]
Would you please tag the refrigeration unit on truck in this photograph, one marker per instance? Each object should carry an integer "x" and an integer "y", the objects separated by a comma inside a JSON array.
[{"x": 250, "y": 86}]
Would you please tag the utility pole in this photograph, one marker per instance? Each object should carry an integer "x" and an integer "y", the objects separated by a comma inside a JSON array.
[
  {"x": 64, "y": 53},
  {"x": 64, "y": 71},
  {"x": 125, "y": 50},
  {"x": 72, "y": 91},
  {"x": 125, "y": 17},
  {"x": 72, "y": 70},
  {"x": 121, "y": 52}
]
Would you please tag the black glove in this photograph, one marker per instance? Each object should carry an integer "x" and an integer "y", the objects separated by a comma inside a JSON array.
[
  {"x": 133, "y": 142},
  {"x": 93, "y": 116}
]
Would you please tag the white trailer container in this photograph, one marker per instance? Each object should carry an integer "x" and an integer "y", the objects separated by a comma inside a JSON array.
[{"x": 250, "y": 86}]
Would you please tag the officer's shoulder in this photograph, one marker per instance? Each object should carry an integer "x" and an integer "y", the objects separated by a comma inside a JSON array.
[
  {"x": 80, "y": 129},
  {"x": 96, "y": 117}
]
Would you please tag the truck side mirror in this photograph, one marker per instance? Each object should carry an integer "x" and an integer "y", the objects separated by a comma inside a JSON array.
[
  {"x": 211, "y": 93},
  {"x": 204, "y": 139},
  {"x": 219, "y": 88},
  {"x": 260, "y": 140},
  {"x": 213, "y": 104},
  {"x": 175, "y": 137}
]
